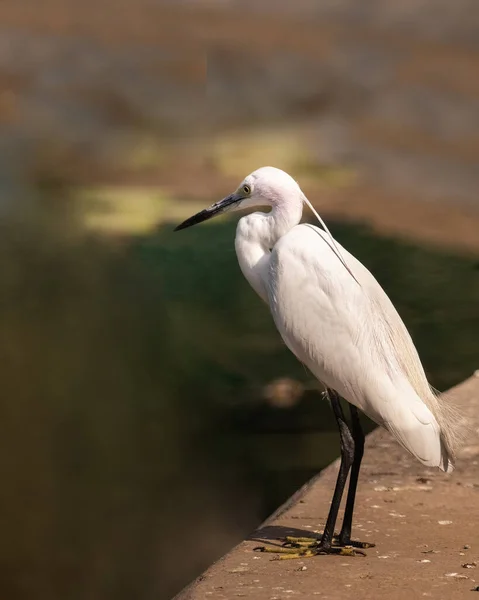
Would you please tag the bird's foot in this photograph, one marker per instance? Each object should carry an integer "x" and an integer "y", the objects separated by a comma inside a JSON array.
[
  {"x": 354, "y": 543},
  {"x": 337, "y": 541},
  {"x": 304, "y": 547}
]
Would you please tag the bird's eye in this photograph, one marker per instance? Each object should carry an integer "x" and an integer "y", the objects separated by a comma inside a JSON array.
[{"x": 246, "y": 189}]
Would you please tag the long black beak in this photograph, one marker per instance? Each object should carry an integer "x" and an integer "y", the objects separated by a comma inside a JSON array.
[{"x": 215, "y": 209}]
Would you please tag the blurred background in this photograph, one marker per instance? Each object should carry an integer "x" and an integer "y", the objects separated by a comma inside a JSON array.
[{"x": 150, "y": 415}]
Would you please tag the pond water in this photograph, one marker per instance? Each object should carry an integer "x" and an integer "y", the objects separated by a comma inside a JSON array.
[{"x": 138, "y": 445}]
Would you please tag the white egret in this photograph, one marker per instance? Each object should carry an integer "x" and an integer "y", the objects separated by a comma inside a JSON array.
[{"x": 335, "y": 317}]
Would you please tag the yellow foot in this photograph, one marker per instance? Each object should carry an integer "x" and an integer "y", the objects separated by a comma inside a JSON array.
[
  {"x": 355, "y": 544},
  {"x": 309, "y": 542},
  {"x": 306, "y": 552},
  {"x": 305, "y": 547}
]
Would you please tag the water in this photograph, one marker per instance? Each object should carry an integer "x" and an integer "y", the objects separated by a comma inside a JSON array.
[{"x": 137, "y": 443}]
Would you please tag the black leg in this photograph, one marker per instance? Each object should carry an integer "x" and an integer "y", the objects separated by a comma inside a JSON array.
[
  {"x": 358, "y": 435},
  {"x": 352, "y": 448},
  {"x": 347, "y": 458}
]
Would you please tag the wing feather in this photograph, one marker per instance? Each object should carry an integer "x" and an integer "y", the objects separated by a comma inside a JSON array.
[{"x": 348, "y": 333}]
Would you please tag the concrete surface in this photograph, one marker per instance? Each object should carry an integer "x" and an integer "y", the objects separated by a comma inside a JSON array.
[{"x": 424, "y": 524}]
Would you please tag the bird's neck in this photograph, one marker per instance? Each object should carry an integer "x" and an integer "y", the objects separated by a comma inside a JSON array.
[{"x": 256, "y": 235}]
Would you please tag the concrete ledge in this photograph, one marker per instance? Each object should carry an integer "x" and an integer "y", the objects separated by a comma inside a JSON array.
[{"x": 425, "y": 525}]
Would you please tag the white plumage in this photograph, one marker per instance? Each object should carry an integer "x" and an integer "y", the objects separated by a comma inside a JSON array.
[
  {"x": 352, "y": 339},
  {"x": 343, "y": 328},
  {"x": 335, "y": 317}
]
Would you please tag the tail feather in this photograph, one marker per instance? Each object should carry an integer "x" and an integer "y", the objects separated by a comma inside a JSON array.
[
  {"x": 451, "y": 425},
  {"x": 416, "y": 428}
]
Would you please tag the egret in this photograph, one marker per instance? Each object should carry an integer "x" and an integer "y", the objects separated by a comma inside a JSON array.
[{"x": 337, "y": 320}]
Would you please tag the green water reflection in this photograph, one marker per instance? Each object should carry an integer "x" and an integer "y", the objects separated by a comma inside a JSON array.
[{"x": 132, "y": 413}]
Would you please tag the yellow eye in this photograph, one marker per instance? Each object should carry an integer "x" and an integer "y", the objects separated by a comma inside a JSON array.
[{"x": 246, "y": 190}]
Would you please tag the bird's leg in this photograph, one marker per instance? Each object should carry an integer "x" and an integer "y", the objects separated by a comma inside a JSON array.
[
  {"x": 344, "y": 538},
  {"x": 347, "y": 457},
  {"x": 300, "y": 547}
]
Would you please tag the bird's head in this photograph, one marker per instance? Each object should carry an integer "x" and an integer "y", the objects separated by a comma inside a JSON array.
[{"x": 266, "y": 186}]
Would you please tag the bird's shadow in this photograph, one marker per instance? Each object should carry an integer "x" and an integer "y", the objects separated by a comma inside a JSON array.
[{"x": 275, "y": 534}]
